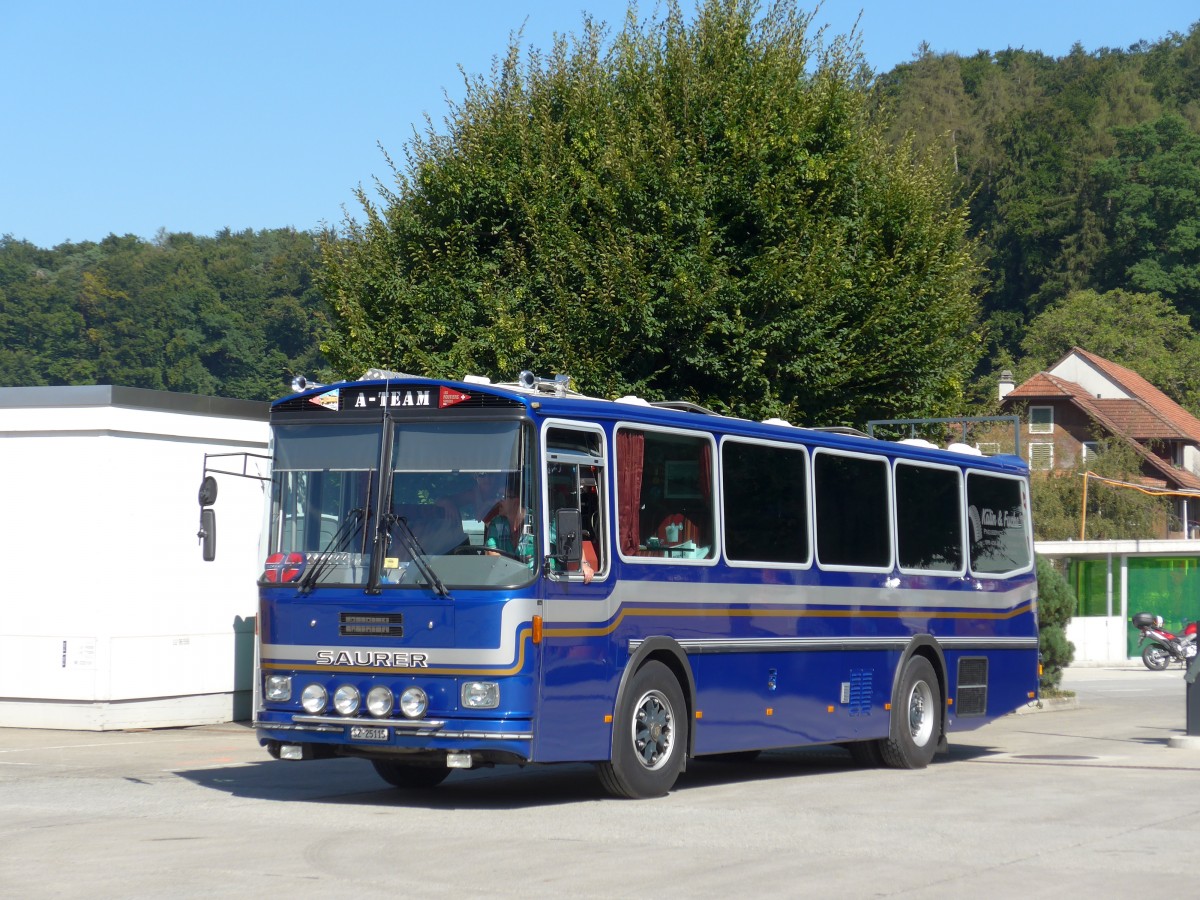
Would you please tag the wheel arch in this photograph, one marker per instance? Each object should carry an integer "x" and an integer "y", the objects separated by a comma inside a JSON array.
[
  {"x": 667, "y": 651},
  {"x": 924, "y": 645}
]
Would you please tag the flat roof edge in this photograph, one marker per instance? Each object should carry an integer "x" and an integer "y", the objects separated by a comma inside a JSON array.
[{"x": 89, "y": 395}]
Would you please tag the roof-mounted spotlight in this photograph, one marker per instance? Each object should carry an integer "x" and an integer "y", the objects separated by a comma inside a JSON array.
[
  {"x": 300, "y": 383},
  {"x": 558, "y": 385}
]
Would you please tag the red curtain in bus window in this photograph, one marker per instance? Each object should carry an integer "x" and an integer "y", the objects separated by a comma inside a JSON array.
[{"x": 630, "y": 452}]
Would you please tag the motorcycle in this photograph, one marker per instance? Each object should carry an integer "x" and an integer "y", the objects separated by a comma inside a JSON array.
[{"x": 1161, "y": 646}]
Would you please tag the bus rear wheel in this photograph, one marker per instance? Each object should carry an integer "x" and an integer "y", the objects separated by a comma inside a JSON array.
[
  {"x": 409, "y": 776},
  {"x": 916, "y": 718},
  {"x": 649, "y": 737}
]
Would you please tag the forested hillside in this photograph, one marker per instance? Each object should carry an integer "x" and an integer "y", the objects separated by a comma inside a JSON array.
[
  {"x": 1081, "y": 174},
  {"x": 231, "y": 315}
]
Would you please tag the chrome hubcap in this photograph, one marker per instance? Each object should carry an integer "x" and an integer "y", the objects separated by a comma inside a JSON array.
[{"x": 653, "y": 730}]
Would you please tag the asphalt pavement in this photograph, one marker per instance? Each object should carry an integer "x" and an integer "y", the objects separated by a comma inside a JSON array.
[{"x": 1087, "y": 799}]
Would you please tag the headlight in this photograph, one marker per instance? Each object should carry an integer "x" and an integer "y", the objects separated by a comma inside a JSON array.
[
  {"x": 414, "y": 702},
  {"x": 379, "y": 701},
  {"x": 279, "y": 687},
  {"x": 346, "y": 699},
  {"x": 314, "y": 699},
  {"x": 480, "y": 694}
]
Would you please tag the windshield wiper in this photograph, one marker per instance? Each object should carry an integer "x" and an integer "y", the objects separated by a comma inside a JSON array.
[
  {"x": 352, "y": 523},
  {"x": 417, "y": 552}
]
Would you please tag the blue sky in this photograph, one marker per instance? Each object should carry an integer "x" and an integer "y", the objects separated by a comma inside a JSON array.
[{"x": 128, "y": 116}]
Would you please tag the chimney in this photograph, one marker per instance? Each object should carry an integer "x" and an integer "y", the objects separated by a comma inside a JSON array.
[{"x": 1006, "y": 383}]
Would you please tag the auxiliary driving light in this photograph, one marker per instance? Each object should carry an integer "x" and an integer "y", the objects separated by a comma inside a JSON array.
[
  {"x": 346, "y": 699},
  {"x": 414, "y": 702},
  {"x": 480, "y": 694},
  {"x": 314, "y": 699},
  {"x": 279, "y": 687},
  {"x": 380, "y": 701}
]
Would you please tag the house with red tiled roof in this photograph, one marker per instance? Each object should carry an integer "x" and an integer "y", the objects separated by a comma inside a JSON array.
[{"x": 1084, "y": 398}]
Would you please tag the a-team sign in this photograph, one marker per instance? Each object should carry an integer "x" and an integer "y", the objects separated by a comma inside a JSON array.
[{"x": 392, "y": 398}]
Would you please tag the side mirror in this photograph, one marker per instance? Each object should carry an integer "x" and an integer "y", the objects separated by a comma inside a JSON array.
[
  {"x": 208, "y": 491},
  {"x": 568, "y": 529},
  {"x": 208, "y": 533},
  {"x": 208, "y": 518}
]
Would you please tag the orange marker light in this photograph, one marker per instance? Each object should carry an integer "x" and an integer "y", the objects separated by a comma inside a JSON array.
[
  {"x": 770, "y": 711},
  {"x": 537, "y": 629},
  {"x": 829, "y": 709}
]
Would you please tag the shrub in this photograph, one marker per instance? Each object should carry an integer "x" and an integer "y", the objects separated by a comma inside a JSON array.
[{"x": 1056, "y": 605}]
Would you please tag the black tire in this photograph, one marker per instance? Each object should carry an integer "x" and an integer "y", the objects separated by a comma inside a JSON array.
[
  {"x": 868, "y": 754},
  {"x": 1156, "y": 657},
  {"x": 650, "y": 733},
  {"x": 916, "y": 718},
  {"x": 408, "y": 776}
]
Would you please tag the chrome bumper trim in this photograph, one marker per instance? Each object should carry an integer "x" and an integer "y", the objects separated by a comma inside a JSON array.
[{"x": 331, "y": 725}]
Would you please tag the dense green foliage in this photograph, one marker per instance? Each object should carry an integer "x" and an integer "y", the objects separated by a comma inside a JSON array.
[
  {"x": 1082, "y": 173},
  {"x": 695, "y": 209},
  {"x": 1056, "y": 605},
  {"x": 233, "y": 315},
  {"x": 1112, "y": 512},
  {"x": 1143, "y": 332}
]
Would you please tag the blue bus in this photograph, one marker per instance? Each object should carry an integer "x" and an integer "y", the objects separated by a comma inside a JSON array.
[{"x": 462, "y": 574}]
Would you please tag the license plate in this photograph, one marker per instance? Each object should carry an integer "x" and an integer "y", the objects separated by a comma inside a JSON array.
[{"x": 367, "y": 733}]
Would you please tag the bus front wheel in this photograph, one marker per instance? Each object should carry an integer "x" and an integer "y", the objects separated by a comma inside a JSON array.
[
  {"x": 650, "y": 736},
  {"x": 917, "y": 719}
]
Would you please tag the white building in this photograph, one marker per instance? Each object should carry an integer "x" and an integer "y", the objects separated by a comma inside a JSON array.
[{"x": 109, "y": 618}]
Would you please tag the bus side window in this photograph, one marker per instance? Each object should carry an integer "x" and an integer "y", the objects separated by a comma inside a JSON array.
[{"x": 575, "y": 479}]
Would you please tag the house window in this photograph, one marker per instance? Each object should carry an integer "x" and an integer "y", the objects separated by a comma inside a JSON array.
[
  {"x": 1041, "y": 420},
  {"x": 1091, "y": 449},
  {"x": 1041, "y": 456}
]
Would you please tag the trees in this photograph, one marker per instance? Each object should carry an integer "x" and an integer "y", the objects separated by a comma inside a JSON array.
[
  {"x": 1056, "y": 605},
  {"x": 234, "y": 315},
  {"x": 1113, "y": 513},
  {"x": 1150, "y": 191},
  {"x": 1081, "y": 171},
  {"x": 1140, "y": 331},
  {"x": 701, "y": 210}
]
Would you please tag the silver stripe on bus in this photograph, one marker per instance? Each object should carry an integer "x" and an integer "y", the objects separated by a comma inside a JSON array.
[
  {"x": 594, "y": 613},
  {"x": 577, "y": 611}
]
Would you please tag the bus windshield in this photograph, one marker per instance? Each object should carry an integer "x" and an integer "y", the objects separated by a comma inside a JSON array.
[{"x": 456, "y": 501}]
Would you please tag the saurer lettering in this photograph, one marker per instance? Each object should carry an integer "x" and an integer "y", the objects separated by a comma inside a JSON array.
[{"x": 392, "y": 659}]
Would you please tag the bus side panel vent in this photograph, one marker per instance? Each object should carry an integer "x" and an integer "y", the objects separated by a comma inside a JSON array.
[
  {"x": 972, "y": 686},
  {"x": 860, "y": 692}
]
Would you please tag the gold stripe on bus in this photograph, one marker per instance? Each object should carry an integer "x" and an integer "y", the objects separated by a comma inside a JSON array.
[
  {"x": 523, "y": 635},
  {"x": 674, "y": 612}
]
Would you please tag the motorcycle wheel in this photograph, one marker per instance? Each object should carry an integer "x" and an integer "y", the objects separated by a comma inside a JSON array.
[{"x": 1156, "y": 657}]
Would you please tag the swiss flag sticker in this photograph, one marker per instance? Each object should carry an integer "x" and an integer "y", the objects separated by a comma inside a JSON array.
[{"x": 449, "y": 397}]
